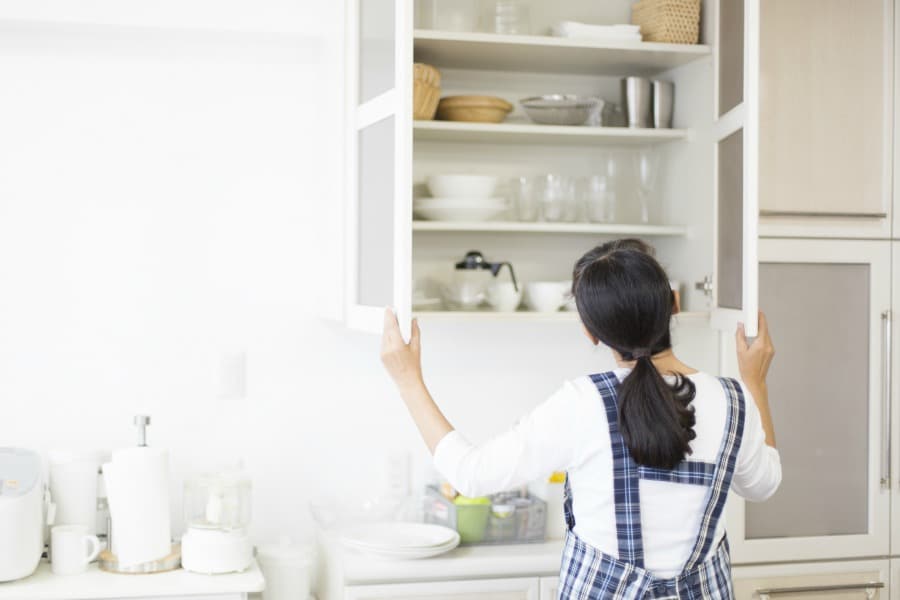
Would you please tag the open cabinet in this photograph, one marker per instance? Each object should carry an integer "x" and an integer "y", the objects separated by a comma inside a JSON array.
[{"x": 704, "y": 214}]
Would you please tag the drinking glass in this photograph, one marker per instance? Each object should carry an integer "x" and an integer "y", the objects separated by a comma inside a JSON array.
[
  {"x": 557, "y": 198},
  {"x": 598, "y": 199},
  {"x": 523, "y": 198}
]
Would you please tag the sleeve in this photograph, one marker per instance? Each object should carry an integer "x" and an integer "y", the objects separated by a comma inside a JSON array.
[
  {"x": 758, "y": 471},
  {"x": 540, "y": 443}
]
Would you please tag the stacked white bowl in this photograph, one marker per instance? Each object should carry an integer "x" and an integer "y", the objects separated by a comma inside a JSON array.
[{"x": 460, "y": 198}]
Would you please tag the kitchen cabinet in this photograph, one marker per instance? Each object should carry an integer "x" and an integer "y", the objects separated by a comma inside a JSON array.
[
  {"x": 521, "y": 588},
  {"x": 826, "y": 117},
  {"x": 549, "y": 588},
  {"x": 705, "y": 208},
  {"x": 857, "y": 580},
  {"x": 828, "y": 304}
]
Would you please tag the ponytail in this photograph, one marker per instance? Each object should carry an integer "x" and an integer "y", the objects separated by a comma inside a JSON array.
[{"x": 655, "y": 418}]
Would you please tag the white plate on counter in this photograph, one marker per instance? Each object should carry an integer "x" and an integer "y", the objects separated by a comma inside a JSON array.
[{"x": 398, "y": 540}]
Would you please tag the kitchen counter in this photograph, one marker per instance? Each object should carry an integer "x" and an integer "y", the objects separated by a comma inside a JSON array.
[
  {"x": 466, "y": 562},
  {"x": 100, "y": 585}
]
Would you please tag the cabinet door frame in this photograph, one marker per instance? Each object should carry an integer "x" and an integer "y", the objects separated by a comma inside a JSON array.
[
  {"x": 895, "y": 401},
  {"x": 742, "y": 118},
  {"x": 396, "y": 103},
  {"x": 549, "y": 588},
  {"x": 822, "y": 574},
  {"x": 876, "y": 541},
  {"x": 529, "y": 586}
]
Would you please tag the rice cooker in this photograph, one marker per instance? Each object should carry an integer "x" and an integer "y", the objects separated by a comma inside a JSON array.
[{"x": 22, "y": 503}]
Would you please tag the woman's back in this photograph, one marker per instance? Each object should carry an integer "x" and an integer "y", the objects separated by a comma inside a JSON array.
[{"x": 670, "y": 511}]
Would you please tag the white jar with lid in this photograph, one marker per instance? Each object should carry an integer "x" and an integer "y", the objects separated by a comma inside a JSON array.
[{"x": 287, "y": 568}]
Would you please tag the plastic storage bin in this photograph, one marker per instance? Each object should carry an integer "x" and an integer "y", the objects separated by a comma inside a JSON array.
[{"x": 505, "y": 518}]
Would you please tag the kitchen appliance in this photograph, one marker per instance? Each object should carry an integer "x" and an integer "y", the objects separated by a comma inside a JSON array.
[
  {"x": 637, "y": 96},
  {"x": 217, "y": 515},
  {"x": 561, "y": 109},
  {"x": 23, "y": 500},
  {"x": 137, "y": 486},
  {"x": 471, "y": 278}
]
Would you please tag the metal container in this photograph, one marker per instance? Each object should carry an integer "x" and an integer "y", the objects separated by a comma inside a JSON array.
[
  {"x": 663, "y": 103},
  {"x": 637, "y": 96},
  {"x": 559, "y": 109}
]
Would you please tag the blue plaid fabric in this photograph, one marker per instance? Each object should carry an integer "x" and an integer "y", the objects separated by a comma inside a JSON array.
[{"x": 589, "y": 574}]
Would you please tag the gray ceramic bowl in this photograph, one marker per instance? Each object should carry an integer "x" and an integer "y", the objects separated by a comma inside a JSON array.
[{"x": 559, "y": 109}]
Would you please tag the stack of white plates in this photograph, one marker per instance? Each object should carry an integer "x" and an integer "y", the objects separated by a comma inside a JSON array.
[
  {"x": 459, "y": 209},
  {"x": 460, "y": 198},
  {"x": 401, "y": 541}
]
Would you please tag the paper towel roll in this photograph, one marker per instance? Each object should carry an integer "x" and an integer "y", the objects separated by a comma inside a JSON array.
[{"x": 137, "y": 487}]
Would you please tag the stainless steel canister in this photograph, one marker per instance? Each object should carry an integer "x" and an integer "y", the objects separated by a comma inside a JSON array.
[
  {"x": 637, "y": 94},
  {"x": 663, "y": 103}
]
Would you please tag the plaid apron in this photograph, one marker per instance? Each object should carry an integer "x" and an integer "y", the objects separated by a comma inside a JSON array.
[{"x": 589, "y": 574}]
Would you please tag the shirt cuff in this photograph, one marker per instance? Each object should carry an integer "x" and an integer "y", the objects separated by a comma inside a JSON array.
[{"x": 449, "y": 453}]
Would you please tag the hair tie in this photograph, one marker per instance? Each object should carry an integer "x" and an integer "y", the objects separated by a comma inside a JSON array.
[{"x": 641, "y": 353}]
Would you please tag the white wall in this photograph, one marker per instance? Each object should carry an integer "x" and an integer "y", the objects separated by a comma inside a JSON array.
[{"x": 158, "y": 193}]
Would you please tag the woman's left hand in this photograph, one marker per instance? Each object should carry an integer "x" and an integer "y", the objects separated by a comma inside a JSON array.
[{"x": 402, "y": 361}]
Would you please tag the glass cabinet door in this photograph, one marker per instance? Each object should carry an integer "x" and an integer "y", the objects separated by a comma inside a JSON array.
[
  {"x": 736, "y": 135},
  {"x": 379, "y": 161},
  {"x": 825, "y": 302}
]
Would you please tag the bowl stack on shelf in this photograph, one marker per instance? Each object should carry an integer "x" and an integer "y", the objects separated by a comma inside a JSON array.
[{"x": 460, "y": 198}]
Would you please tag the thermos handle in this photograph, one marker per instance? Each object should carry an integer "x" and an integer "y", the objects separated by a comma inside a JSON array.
[{"x": 495, "y": 269}]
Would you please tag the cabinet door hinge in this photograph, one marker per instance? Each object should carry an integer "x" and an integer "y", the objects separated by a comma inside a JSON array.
[{"x": 705, "y": 286}]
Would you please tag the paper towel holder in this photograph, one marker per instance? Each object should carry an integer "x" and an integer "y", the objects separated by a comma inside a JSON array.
[
  {"x": 141, "y": 422},
  {"x": 108, "y": 561}
]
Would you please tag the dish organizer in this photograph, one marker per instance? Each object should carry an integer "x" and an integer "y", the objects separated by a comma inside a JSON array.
[{"x": 509, "y": 517}]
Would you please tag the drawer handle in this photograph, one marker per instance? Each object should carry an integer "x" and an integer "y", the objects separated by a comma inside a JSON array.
[
  {"x": 886, "y": 400},
  {"x": 833, "y": 215},
  {"x": 869, "y": 588}
]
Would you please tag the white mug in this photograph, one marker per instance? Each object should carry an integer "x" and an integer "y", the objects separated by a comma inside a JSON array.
[{"x": 71, "y": 549}]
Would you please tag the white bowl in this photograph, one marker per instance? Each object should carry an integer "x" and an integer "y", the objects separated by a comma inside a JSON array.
[
  {"x": 546, "y": 296},
  {"x": 472, "y": 186},
  {"x": 502, "y": 296}
]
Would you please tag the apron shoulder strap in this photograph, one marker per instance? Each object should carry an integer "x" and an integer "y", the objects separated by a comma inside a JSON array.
[
  {"x": 626, "y": 479},
  {"x": 725, "y": 465}
]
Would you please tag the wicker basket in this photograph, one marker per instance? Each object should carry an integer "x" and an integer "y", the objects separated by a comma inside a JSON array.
[
  {"x": 426, "y": 91},
  {"x": 668, "y": 21}
]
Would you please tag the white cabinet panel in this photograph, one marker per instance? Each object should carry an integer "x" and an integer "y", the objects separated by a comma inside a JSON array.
[
  {"x": 736, "y": 136},
  {"x": 525, "y": 588},
  {"x": 858, "y": 580},
  {"x": 379, "y": 163},
  {"x": 825, "y": 301},
  {"x": 549, "y": 588}
]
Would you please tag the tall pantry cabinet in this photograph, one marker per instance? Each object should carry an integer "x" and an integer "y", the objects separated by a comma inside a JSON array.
[{"x": 827, "y": 280}]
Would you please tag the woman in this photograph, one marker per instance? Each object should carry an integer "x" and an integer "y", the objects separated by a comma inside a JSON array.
[{"x": 650, "y": 449}]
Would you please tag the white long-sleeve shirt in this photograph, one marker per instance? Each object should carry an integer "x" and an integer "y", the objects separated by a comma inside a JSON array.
[{"x": 569, "y": 432}]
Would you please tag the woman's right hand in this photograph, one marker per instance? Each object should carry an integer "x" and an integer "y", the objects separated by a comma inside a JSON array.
[{"x": 754, "y": 359}]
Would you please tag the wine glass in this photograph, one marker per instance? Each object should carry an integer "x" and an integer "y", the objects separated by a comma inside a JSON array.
[{"x": 646, "y": 166}]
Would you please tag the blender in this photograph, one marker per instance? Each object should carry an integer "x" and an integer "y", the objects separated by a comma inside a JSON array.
[{"x": 217, "y": 516}]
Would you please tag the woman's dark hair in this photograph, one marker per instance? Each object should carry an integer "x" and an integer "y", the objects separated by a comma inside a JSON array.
[{"x": 625, "y": 301}]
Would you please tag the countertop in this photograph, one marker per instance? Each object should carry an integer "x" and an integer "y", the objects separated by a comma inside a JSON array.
[
  {"x": 465, "y": 562},
  {"x": 97, "y": 584}
]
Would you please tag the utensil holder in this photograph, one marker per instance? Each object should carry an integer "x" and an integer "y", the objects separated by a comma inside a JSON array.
[{"x": 484, "y": 524}]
